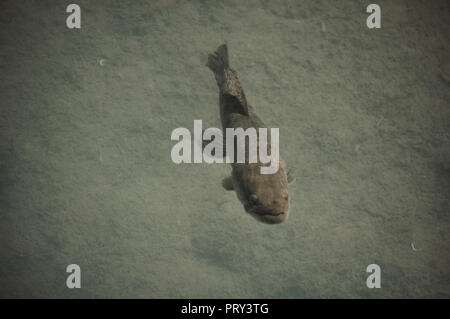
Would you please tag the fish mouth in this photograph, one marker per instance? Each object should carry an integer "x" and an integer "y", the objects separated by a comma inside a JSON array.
[
  {"x": 272, "y": 214},
  {"x": 267, "y": 216},
  {"x": 257, "y": 211}
]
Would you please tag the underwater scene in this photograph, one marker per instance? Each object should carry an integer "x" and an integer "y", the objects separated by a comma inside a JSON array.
[{"x": 89, "y": 104}]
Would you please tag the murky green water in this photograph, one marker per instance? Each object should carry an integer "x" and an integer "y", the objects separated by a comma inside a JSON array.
[{"x": 87, "y": 178}]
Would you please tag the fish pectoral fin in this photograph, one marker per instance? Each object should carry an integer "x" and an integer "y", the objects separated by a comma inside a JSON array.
[
  {"x": 290, "y": 175},
  {"x": 227, "y": 183}
]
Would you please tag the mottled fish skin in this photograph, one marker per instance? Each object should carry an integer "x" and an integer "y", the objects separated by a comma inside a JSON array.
[{"x": 264, "y": 196}]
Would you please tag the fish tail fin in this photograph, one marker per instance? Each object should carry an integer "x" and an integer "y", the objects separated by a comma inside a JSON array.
[
  {"x": 218, "y": 63},
  {"x": 231, "y": 92}
]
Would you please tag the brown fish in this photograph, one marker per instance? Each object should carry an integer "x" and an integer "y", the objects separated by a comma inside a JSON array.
[{"x": 264, "y": 196}]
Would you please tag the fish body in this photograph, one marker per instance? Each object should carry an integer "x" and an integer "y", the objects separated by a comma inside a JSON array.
[{"x": 264, "y": 196}]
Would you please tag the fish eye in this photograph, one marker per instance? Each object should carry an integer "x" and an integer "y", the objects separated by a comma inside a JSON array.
[{"x": 253, "y": 198}]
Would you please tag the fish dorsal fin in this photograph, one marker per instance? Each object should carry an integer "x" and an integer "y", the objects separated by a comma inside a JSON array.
[
  {"x": 234, "y": 104},
  {"x": 233, "y": 93}
]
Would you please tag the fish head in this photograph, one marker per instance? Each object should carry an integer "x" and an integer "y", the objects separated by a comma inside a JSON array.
[{"x": 268, "y": 199}]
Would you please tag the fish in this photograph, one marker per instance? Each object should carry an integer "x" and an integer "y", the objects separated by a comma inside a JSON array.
[{"x": 263, "y": 196}]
